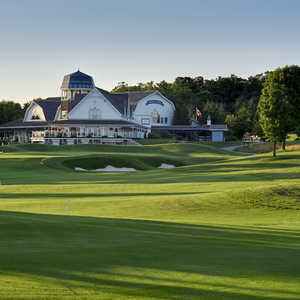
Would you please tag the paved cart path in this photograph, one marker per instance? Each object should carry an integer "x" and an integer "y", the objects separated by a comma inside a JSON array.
[{"x": 232, "y": 149}]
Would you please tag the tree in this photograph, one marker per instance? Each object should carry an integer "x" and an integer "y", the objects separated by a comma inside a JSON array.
[
  {"x": 10, "y": 111},
  {"x": 25, "y": 106},
  {"x": 290, "y": 77},
  {"x": 275, "y": 110},
  {"x": 217, "y": 97},
  {"x": 216, "y": 112}
]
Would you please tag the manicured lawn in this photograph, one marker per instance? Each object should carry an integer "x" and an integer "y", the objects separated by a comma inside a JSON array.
[{"x": 219, "y": 226}]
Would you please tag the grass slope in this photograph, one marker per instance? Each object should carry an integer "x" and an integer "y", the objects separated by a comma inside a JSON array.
[
  {"x": 268, "y": 147},
  {"x": 219, "y": 226}
]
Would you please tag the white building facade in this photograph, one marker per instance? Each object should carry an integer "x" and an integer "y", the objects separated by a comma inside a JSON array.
[{"x": 87, "y": 114}]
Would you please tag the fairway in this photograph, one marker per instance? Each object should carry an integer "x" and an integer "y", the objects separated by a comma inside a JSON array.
[{"x": 218, "y": 226}]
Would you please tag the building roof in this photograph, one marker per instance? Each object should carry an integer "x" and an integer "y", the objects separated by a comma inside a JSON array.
[
  {"x": 78, "y": 80},
  {"x": 49, "y": 107},
  {"x": 119, "y": 101},
  {"x": 96, "y": 122},
  {"x": 53, "y": 99},
  {"x": 135, "y": 97},
  {"x": 213, "y": 127},
  {"x": 40, "y": 124},
  {"x": 76, "y": 100},
  {"x": 21, "y": 124}
]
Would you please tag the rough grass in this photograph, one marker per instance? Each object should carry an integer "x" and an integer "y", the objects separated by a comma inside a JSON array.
[
  {"x": 268, "y": 147},
  {"x": 218, "y": 227}
]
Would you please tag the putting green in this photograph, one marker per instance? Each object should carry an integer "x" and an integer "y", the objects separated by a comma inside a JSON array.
[{"x": 219, "y": 226}]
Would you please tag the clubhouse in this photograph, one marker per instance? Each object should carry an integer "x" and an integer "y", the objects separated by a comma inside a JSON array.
[{"x": 85, "y": 114}]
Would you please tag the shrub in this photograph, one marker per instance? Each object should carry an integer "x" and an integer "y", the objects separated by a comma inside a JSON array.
[
  {"x": 154, "y": 135},
  {"x": 166, "y": 135}
]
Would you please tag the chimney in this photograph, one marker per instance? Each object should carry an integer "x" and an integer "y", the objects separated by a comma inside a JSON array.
[{"x": 64, "y": 109}]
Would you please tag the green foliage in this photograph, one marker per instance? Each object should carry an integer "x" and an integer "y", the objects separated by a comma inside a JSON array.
[
  {"x": 124, "y": 87},
  {"x": 217, "y": 97},
  {"x": 216, "y": 112},
  {"x": 10, "y": 111},
  {"x": 279, "y": 106},
  {"x": 290, "y": 78},
  {"x": 240, "y": 123},
  {"x": 25, "y": 106},
  {"x": 154, "y": 135},
  {"x": 297, "y": 131}
]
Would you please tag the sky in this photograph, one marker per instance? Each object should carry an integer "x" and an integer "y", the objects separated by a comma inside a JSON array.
[{"x": 140, "y": 41}]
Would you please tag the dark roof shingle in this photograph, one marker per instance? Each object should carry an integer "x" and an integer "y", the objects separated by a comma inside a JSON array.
[
  {"x": 119, "y": 101},
  {"x": 78, "y": 80},
  {"x": 21, "y": 124},
  {"x": 49, "y": 108}
]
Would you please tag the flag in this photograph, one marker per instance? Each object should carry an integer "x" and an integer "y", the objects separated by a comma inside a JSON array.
[{"x": 198, "y": 112}]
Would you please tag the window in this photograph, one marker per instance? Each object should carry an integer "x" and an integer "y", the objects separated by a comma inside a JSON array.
[
  {"x": 166, "y": 120},
  {"x": 94, "y": 113},
  {"x": 145, "y": 121},
  {"x": 64, "y": 114},
  {"x": 161, "y": 120},
  {"x": 155, "y": 117},
  {"x": 35, "y": 117}
]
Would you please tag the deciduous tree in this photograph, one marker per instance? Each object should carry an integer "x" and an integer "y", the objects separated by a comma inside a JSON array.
[{"x": 275, "y": 110}]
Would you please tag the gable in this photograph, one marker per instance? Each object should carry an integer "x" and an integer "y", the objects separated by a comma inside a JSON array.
[
  {"x": 94, "y": 106},
  {"x": 154, "y": 102},
  {"x": 34, "y": 113},
  {"x": 154, "y": 109}
]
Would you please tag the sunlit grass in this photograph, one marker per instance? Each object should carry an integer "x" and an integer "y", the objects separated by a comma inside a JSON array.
[{"x": 219, "y": 226}]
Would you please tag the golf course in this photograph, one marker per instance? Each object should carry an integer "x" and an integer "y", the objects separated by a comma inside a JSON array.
[{"x": 219, "y": 225}]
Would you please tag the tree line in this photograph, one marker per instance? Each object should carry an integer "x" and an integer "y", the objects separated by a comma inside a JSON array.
[
  {"x": 232, "y": 100},
  {"x": 10, "y": 111}
]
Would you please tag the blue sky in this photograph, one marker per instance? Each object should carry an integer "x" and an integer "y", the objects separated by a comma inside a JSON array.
[{"x": 138, "y": 41}]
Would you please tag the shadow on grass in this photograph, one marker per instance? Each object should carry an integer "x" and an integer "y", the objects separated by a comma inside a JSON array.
[
  {"x": 159, "y": 260},
  {"x": 90, "y": 195}
]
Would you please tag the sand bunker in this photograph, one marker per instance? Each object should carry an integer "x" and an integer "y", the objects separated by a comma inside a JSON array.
[
  {"x": 166, "y": 166},
  {"x": 107, "y": 169},
  {"x": 114, "y": 169}
]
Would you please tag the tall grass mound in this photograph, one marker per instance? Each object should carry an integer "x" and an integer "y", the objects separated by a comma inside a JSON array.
[
  {"x": 142, "y": 163},
  {"x": 281, "y": 197}
]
